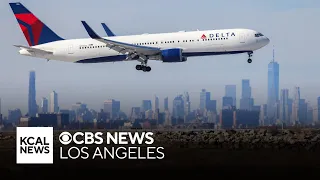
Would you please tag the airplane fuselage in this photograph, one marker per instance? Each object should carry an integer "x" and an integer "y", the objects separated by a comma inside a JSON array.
[{"x": 193, "y": 43}]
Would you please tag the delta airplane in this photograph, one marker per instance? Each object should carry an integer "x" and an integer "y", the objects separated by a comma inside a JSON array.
[{"x": 166, "y": 47}]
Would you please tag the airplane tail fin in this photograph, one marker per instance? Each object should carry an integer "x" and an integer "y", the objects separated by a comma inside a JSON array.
[{"x": 35, "y": 31}]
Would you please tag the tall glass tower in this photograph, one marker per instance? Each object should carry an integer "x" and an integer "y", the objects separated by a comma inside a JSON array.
[
  {"x": 32, "y": 105},
  {"x": 273, "y": 90}
]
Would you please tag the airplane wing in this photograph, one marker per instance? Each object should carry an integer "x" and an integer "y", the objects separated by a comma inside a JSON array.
[
  {"x": 35, "y": 50},
  {"x": 107, "y": 30},
  {"x": 121, "y": 47}
]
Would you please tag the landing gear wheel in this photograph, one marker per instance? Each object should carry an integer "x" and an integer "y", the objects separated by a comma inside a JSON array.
[
  {"x": 138, "y": 67},
  {"x": 144, "y": 68},
  {"x": 148, "y": 68},
  {"x": 249, "y": 60}
]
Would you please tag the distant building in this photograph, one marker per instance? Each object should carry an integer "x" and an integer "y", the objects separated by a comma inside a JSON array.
[
  {"x": 284, "y": 106},
  {"x": 79, "y": 108},
  {"x": 14, "y": 116},
  {"x": 263, "y": 115},
  {"x": 32, "y": 105},
  {"x": 54, "y": 107},
  {"x": 204, "y": 99},
  {"x": 231, "y": 91},
  {"x": 227, "y": 102},
  {"x": 103, "y": 116},
  {"x": 24, "y": 121},
  {"x": 178, "y": 107},
  {"x": 112, "y": 107},
  {"x": 227, "y": 119},
  {"x": 273, "y": 90},
  {"x": 135, "y": 113},
  {"x": 303, "y": 112},
  {"x": 156, "y": 103},
  {"x": 246, "y": 102},
  {"x": 246, "y": 119},
  {"x": 166, "y": 104},
  {"x": 187, "y": 104},
  {"x": 44, "y": 107},
  {"x": 149, "y": 114},
  {"x": 146, "y": 105},
  {"x": 212, "y": 106},
  {"x": 168, "y": 121},
  {"x": 295, "y": 106}
]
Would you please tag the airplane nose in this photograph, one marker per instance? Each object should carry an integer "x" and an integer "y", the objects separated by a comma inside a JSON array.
[{"x": 267, "y": 40}]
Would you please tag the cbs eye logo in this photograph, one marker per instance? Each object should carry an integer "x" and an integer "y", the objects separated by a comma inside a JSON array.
[{"x": 65, "y": 138}]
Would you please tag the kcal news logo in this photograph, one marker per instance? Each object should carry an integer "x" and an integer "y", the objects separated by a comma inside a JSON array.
[
  {"x": 34, "y": 145},
  {"x": 109, "y": 145}
]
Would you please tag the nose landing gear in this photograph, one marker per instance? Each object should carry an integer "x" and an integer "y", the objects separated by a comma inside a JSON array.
[{"x": 250, "y": 55}]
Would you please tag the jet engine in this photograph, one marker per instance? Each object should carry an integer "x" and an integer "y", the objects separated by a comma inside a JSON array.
[{"x": 172, "y": 55}]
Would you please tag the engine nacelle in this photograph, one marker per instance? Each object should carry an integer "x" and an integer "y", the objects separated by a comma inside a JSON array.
[{"x": 172, "y": 55}]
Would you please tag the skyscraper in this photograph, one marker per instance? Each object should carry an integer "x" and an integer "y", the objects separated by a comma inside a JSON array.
[
  {"x": 295, "y": 106},
  {"x": 284, "y": 106},
  {"x": 231, "y": 91},
  {"x": 227, "y": 102},
  {"x": 44, "y": 105},
  {"x": 212, "y": 106},
  {"x": 303, "y": 112},
  {"x": 156, "y": 104},
  {"x": 166, "y": 104},
  {"x": 246, "y": 89},
  {"x": 32, "y": 105},
  {"x": 146, "y": 105},
  {"x": 178, "y": 107},
  {"x": 112, "y": 107},
  {"x": 273, "y": 89},
  {"x": 187, "y": 103},
  {"x": 246, "y": 102},
  {"x": 54, "y": 108},
  {"x": 204, "y": 99}
]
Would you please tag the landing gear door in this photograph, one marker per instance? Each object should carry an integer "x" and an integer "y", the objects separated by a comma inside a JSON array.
[{"x": 242, "y": 38}]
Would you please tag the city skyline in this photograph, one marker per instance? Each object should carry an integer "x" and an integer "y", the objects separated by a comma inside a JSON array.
[
  {"x": 246, "y": 102},
  {"x": 92, "y": 83}
]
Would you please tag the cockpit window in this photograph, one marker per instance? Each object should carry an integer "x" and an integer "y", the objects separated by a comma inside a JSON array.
[{"x": 258, "y": 35}]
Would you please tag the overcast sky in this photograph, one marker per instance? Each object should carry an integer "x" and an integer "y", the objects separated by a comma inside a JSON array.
[{"x": 292, "y": 25}]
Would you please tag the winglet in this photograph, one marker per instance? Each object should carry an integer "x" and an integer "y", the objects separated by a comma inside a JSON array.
[
  {"x": 90, "y": 31},
  {"x": 107, "y": 30}
]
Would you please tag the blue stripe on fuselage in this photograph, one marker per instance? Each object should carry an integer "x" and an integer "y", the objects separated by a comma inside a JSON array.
[
  {"x": 123, "y": 57},
  {"x": 104, "y": 59}
]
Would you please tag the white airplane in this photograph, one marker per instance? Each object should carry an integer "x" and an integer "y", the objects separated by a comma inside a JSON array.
[{"x": 166, "y": 47}]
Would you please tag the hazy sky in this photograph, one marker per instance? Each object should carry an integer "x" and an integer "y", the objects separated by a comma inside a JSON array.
[{"x": 292, "y": 25}]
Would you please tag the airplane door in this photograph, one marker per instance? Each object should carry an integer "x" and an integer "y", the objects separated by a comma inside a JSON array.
[
  {"x": 70, "y": 49},
  {"x": 242, "y": 38}
]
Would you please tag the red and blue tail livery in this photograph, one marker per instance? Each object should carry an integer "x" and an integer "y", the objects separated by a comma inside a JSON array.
[{"x": 34, "y": 30}]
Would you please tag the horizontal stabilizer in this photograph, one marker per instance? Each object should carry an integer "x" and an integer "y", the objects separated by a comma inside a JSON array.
[{"x": 35, "y": 50}]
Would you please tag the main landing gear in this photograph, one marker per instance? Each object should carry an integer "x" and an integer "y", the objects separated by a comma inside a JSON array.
[
  {"x": 143, "y": 68},
  {"x": 250, "y": 55}
]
